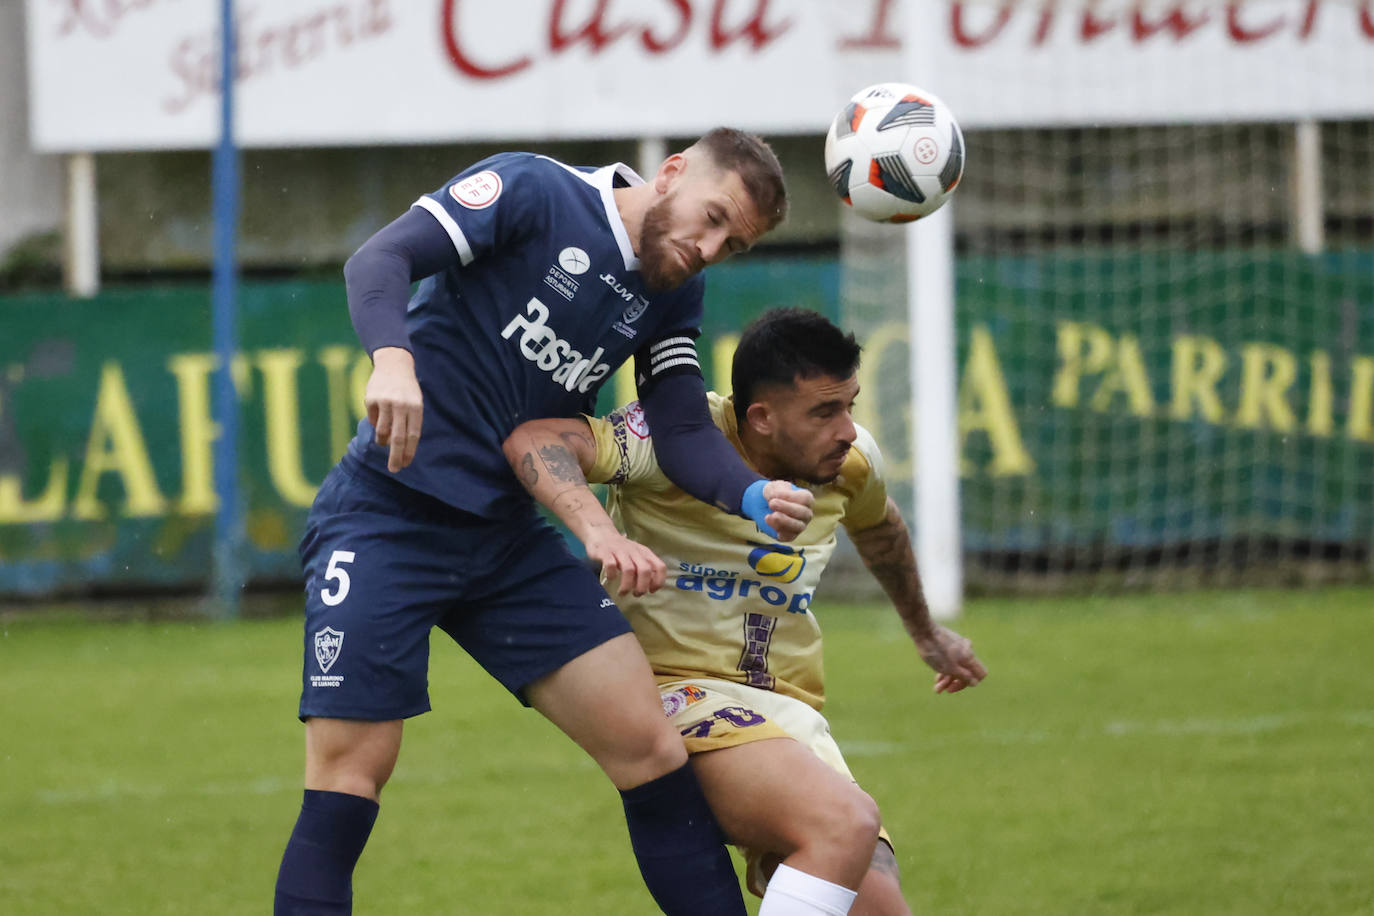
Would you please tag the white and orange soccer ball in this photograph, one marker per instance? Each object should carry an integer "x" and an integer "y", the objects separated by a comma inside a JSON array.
[{"x": 894, "y": 153}]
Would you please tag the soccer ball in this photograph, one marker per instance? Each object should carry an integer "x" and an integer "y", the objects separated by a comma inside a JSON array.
[{"x": 894, "y": 153}]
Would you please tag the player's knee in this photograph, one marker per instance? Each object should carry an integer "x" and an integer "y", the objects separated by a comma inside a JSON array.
[
  {"x": 853, "y": 821},
  {"x": 663, "y": 750},
  {"x": 352, "y": 758}
]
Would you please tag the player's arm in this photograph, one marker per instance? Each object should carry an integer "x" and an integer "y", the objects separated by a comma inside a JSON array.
[
  {"x": 378, "y": 278},
  {"x": 886, "y": 551},
  {"x": 695, "y": 455},
  {"x": 551, "y": 458}
]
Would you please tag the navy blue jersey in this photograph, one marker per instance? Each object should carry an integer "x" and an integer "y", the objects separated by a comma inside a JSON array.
[{"x": 545, "y": 303}]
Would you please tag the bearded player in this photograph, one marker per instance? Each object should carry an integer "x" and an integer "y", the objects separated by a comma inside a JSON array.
[{"x": 727, "y": 624}]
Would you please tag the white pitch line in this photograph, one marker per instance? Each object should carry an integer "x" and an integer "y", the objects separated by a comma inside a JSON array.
[
  {"x": 1244, "y": 725},
  {"x": 1240, "y": 725}
]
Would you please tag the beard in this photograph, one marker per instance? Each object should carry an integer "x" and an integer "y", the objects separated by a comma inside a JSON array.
[
  {"x": 793, "y": 469},
  {"x": 658, "y": 263}
]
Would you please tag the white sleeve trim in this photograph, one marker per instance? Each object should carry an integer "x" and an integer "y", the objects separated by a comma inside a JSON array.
[
  {"x": 674, "y": 353},
  {"x": 665, "y": 366},
  {"x": 671, "y": 342},
  {"x": 460, "y": 241}
]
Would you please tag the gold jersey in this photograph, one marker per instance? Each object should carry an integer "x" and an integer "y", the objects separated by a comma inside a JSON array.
[{"x": 736, "y": 604}]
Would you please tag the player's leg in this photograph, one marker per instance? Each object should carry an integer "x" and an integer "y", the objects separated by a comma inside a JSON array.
[
  {"x": 366, "y": 658},
  {"x": 880, "y": 894},
  {"x": 777, "y": 795},
  {"x": 539, "y": 622},
  {"x": 347, "y": 762},
  {"x": 606, "y": 701},
  {"x": 352, "y": 756}
]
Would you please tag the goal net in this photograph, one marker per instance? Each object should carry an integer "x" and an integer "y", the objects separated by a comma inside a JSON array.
[{"x": 1165, "y": 338}]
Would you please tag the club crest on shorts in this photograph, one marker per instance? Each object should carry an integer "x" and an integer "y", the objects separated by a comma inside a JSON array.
[
  {"x": 682, "y": 697},
  {"x": 328, "y": 644}
]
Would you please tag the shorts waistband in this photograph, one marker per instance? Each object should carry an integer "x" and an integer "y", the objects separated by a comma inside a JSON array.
[{"x": 414, "y": 501}]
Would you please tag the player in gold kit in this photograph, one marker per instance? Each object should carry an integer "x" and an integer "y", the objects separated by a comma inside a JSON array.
[{"x": 724, "y": 616}]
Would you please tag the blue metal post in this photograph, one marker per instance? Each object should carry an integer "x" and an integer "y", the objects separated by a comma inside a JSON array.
[{"x": 228, "y": 556}]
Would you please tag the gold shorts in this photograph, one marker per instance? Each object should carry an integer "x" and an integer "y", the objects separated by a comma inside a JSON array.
[{"x": 714, "y": 714}]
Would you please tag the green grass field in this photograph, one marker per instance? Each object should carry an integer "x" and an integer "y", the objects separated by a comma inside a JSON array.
[{"x": 1195, "y": 753}]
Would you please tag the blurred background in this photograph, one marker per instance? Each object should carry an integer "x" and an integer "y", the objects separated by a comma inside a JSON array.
[
  {"x": 1162, "y": 262},
  {"x": 1161, "y": 250}
]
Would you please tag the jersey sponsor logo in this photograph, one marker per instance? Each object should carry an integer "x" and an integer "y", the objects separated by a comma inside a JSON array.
[
  {"x": 560, "y": 283},
  {"x": 777, "y": 562},
  {"x": 725, "y": 584},
  {"x": 574, "y": 260},
  {"x": 477, "y": 192},
  {"x": 541, "y": 345},
  {"x": 621, "y": 290}
]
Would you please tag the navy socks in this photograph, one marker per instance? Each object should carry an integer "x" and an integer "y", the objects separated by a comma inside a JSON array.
[
  {"x": 680, "y": 848},
  {"x": 316, "y": 876}
]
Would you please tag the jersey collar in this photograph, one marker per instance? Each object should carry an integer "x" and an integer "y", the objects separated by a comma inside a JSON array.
[
  {"x": 605, "y": 179},
  {"x": 730, "y": 427}
]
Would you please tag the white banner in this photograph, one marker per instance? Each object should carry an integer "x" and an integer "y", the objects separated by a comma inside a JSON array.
[{"x": 143, "y": 74}]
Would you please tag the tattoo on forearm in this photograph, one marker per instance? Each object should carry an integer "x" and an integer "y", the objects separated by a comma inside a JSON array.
[
  {"x": 529, "y": 475},
  {"x": 886, "y": 551},
  {"x": 884, "y": 861},
  {"x": 561, "y": 463}
]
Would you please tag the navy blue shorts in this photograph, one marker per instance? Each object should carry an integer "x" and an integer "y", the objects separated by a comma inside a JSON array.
[{"x": 385, "y": 564}]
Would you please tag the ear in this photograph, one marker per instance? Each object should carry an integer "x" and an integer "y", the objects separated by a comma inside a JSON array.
[
  {"x": 669, "y": 172},
  {"x": 759, "y": 416}
]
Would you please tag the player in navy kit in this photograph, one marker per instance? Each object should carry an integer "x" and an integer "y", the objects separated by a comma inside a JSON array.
[{"x": 538, "y": 280}]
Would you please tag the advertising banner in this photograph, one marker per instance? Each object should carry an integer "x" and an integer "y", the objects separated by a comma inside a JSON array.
[
  {"x": 143, "y": 74},
  {"x": 1198, "y": 398}
]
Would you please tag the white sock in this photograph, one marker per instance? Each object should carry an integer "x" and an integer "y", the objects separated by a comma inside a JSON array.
[{"x": 795, "y": 893}]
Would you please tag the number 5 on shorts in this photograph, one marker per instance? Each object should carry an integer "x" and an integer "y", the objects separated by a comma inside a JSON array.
[{"x": 333, "y": 572}]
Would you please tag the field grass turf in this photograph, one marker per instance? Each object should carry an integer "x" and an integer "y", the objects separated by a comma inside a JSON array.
[{"x": 1196, "y": 753}]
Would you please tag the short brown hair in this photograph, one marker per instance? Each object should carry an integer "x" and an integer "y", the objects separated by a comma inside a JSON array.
[{"x": 757, "y": 166}]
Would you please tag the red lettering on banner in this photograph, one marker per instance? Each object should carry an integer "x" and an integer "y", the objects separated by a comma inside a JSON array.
[
  {"x": 1093, "y": 27},
  {"x": 658, "y": 45},
  {"x": 592, "y": 31},
  {"x": 99, "y": 18},
  {"x": 965, "y": 40},
  {"x": 759, "y": 33},
  {"x": 262, "y": 50},
  {"x": 1240, "y": 34},
  {"x": 1309, "y": 19},
  {"x": 879, "y": 34},
  {"x": 599, "y": 33},
  {"x": 1178, "y": 22},
  {"x": 1173, "y": 22},
  {"x": 1042, "y": 31},
  {"x": 459, "y": 57}
]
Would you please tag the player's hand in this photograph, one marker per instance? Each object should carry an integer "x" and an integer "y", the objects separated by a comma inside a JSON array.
[
  {"x": 637, "y": 567},
  {"x": 789, "y": 508},
  {"x": 394, "y": 404},
  {"x": 952, "y": 658}
]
